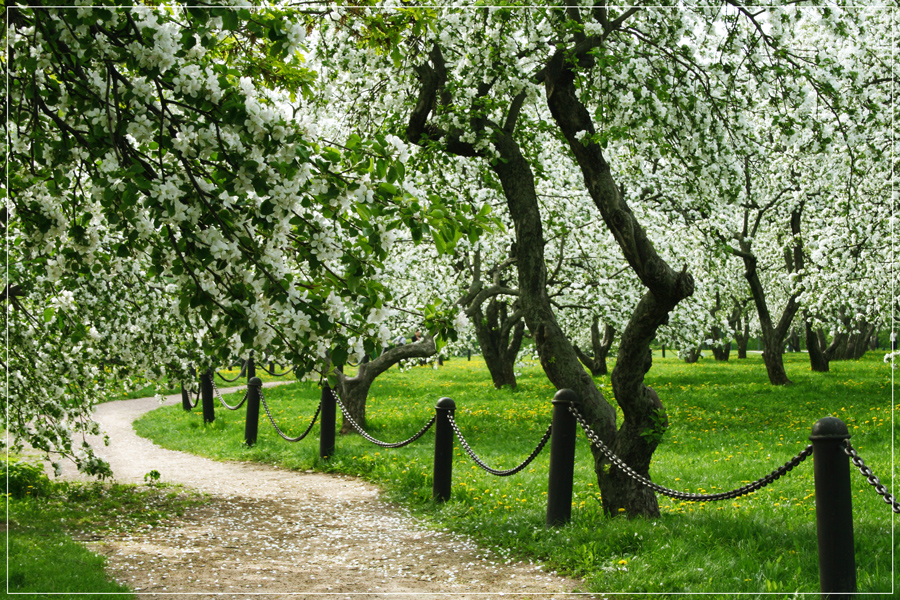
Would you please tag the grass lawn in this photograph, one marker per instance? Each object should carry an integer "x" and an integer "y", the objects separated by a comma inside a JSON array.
[
  {"x": 46, "y": 521},
  {"x": 728, "y": 427}
]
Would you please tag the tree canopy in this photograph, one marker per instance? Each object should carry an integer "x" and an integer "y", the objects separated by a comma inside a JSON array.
[{"x": 187, "y": 184}]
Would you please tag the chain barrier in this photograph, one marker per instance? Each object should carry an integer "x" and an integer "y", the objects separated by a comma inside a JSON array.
[
  {"x": 736, "y": 493},
  {"x": 871, "y": 477},
  {"x": 273, "y": 373},
  {"x": 239, "y": 375},
  {"x": 361, "y": 432},
  {"x": 275, "y": 425},
  {"x": 481, "y": 463},
  {"x": 222, "y": 400},
  {"x": 194, "y": 392}
]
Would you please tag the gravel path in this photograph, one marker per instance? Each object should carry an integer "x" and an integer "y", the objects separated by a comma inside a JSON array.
[{"x": 284, "y": 533}]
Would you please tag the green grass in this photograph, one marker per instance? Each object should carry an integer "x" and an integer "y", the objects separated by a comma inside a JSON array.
[
  {"x": 47, "y": 520},
  {"x": 728, "y": 427}
]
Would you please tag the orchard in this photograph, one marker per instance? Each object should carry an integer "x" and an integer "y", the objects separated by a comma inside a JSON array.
[{"x": 186, "y": 185}]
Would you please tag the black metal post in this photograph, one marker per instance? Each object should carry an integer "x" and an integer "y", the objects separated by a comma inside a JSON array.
[
  {"x": 834, "y": 509},
  {"x": 206, "y": 390},
  {"x": 327, "y": 418},
  {"x": 186, "y": 395},
  {"x": 251, "y": 367},
  {"x": 468, "y": 354},
  {"x": 664, "y": 351},
  {"x": 185, "y": 399},
  {"x": 254, "y": 386},
  {"x": 443, "y": 450},
  {"x": 562, "y": 459}
]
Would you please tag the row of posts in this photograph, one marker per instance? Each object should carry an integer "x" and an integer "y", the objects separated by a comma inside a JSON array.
[{"x": 831, "y": 465}]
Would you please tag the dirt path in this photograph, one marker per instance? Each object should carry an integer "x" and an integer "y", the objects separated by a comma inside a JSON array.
[{"x": 283, "y": 533}]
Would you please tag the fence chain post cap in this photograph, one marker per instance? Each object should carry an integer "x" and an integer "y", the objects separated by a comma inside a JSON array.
[
  {"x": 446, "y": 403},
  {"x": 565, "y": 396},
  {"x": 255, "y": 382},
  {"x": 829, "y": 428}
]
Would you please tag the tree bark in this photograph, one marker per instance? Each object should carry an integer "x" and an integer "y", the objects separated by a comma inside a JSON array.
[
  {"x": 817, "y": 360},
  {"x": 354, "y": 391},
  {"x": 773, "y": 335},
  {"x": 835, "y": 350},
  {"x": 722, "y": 353},
  {"x": 500, "y": 339},
  {"x": 742, "y": 339},
  {"x": 793, "y": 340},
  {"x": 640, "y": 405},
  {"x": 600, "y": 347},
  {"x": 721, "y": 349},
  {"x": 692, "y": 355}
]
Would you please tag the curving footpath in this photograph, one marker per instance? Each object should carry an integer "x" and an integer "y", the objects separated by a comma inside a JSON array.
[{"x": 289, "y": 534}]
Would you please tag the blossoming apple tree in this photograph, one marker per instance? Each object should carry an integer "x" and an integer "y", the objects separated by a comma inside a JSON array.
[
  {"x": 633, "y": 96},
  {"x": 164, "y": 207}
]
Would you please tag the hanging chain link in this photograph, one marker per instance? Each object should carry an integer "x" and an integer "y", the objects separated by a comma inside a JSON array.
[
  {"x": 361, "y": 432},
  {"x": 195, "y": 392},
  {"x": 273, "y": 373},
  {"x": 871, "y": 477},
  {"x": 736, "y": 493},
  {"x": 222, "y": 400},
  {"x": 275, "y": 425},
  {"x": 239, "y": 375},
  {"x": 481, "y": 463}
]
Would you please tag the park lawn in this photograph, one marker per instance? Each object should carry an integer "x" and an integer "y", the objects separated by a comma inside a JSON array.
[
  {"x": 728, "y": 427},
  {"x": 46, "y": 522}
]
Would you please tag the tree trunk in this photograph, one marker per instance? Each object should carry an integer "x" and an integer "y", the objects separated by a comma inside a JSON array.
[
  {"x": 742, "y": 339},
  {"x": 860, "y": 341},
  {"x": 740, "y": 325},
  {"x": 641, "y": 407},
  {"x": 600, "y": 348},
  {"x": 817, "y": 360},
  {"x": 500, "y": 338},
  {"x": 835, "y": 350},
  {"x": 353, "y": 391},
  {"x": 723, "y": 352},
  {"x": 721, "y": 349},
  {"x": 692, "y": 355},
  {"x": 773, "y": 336}
]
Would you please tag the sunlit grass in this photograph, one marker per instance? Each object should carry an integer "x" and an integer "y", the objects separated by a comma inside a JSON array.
[
  {"x": 47, "y": 520},
  {"x": 728, "y": 427}
]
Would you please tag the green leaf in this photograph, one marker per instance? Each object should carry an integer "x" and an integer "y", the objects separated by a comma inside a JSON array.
[
  {"x": 339, "y": 357},
  {"x": 230, "y": 19},
  {"x": 199, "y": 14}
]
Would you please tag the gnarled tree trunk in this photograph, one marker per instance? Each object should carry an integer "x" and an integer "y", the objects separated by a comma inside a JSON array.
[
  {"x": 354, "y": 391},
  {"x": 817, "y": 360},
  {"x": 773, "y": 335},
  {"x": 500, "y": 337},
  {"x": 721, "y": 348},
  {"x": 692, "y": 355},
  {"x": 640, "y": 405},
  {"x": 599, "y": 347}
]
